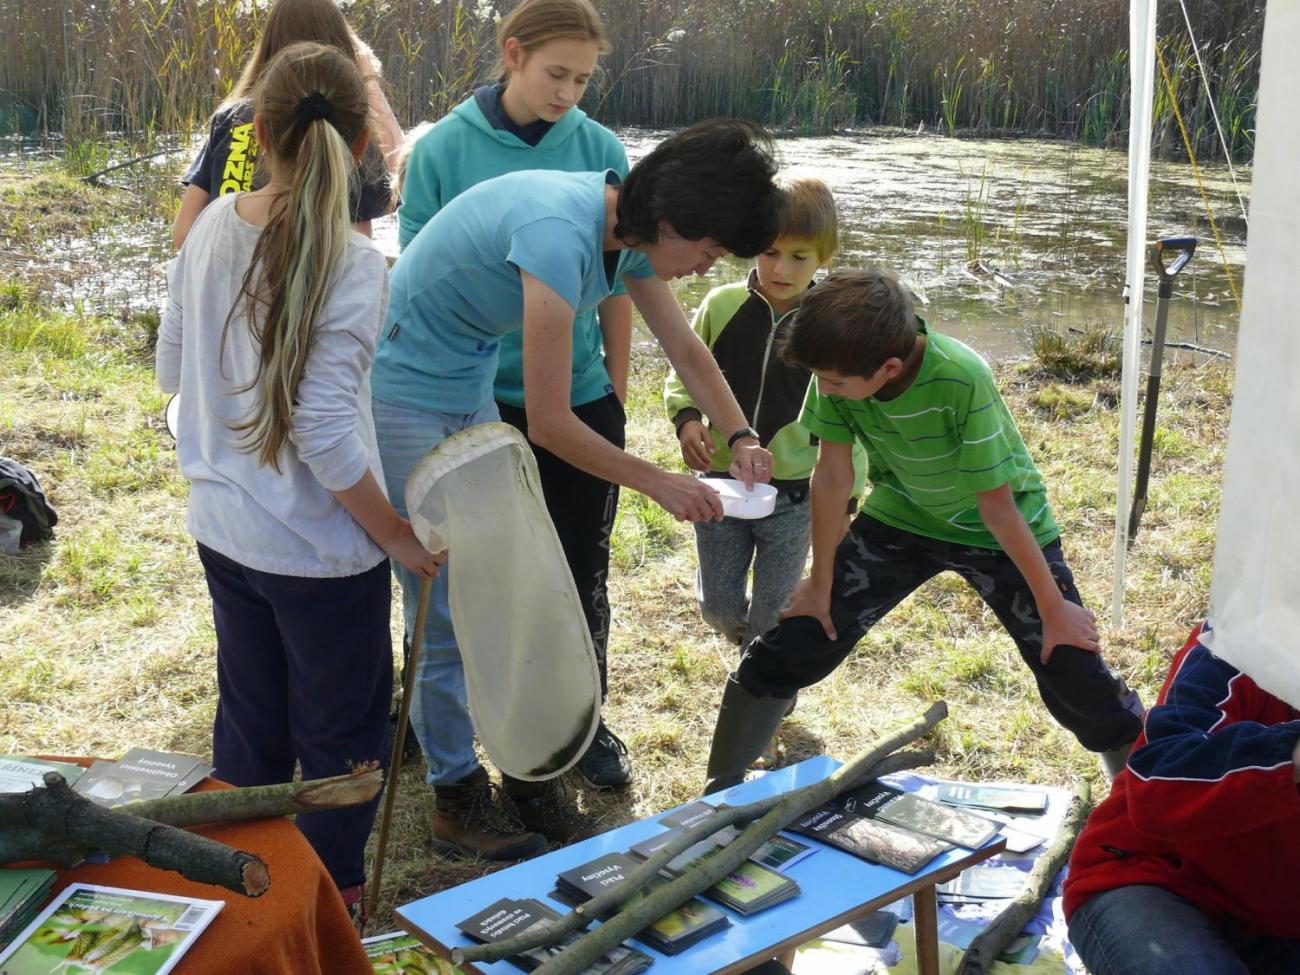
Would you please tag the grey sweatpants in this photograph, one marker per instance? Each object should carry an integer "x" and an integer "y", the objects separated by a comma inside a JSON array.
[{"x": 777, "y": 547}]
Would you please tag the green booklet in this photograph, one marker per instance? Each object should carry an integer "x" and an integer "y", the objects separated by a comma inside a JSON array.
[
  {"x": 397, "y": 953},
  {"x": 19, "y": 773},
  {"x": 95, "y": 928},
  {"x": 749, "y": 888},
  {"x": 22, "y": 892}
]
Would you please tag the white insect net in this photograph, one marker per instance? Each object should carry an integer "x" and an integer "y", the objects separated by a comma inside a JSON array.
[{"x": 530, "y": 667}]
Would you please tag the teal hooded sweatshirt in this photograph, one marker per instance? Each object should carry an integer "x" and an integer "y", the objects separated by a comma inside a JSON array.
[{"x": 463, "y": 149}]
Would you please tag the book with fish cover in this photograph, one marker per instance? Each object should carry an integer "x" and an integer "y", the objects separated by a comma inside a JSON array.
[
  {"x": 870, "y": 839},
  {"x": 98, "y": 928},
  {"x": 398, "y": 953},
  {"x": 875, "y": 800},
  {"x": 508, "y": 918}
]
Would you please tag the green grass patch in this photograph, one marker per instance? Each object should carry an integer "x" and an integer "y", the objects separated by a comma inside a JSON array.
[{"x": 1091, "y": 353}]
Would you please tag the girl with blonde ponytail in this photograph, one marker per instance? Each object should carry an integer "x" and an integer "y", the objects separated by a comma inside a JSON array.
[{"x": 275, "y": 305}]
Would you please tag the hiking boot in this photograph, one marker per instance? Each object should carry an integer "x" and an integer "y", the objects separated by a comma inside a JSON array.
[
  {"x": 605, "y": 765},
  {"x": 545, "y": 808},
  {"x": 469, "y": 820}
]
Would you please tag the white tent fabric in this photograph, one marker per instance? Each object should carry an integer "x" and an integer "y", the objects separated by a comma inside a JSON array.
[
  {"x": 530, "y": 667},
  {"x": 1142, "y": 34},
  {"x": 1255, "y": 592}
]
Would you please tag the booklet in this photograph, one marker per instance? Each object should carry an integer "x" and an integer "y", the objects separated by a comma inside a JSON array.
[
  {"x": 398, "y": 953},
  {"x": 672, "y": 933},
  {"x": 22, "y": 892},
  {"x": 870, "y": 839},
  {"x": 981, "y": 883},
  {"x": 872, "y": 931},
  {"x": 959, "y": 827},
  {"x": 141, "y": 774},
  {"x": 688, "y": 816},
  {"x": 19, "y": 773},
  {"x": 748, "y": 889},
  {"x": 96, "y": 928},
  {"x": 779, "y": 851},
  {"x": 960, "y": 932},
  {"x": 509, "y": 917},
  {"x": 1004, "y": 797}
]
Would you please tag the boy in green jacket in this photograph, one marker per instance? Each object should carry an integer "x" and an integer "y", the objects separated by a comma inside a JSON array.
[
  {"x": 953, "y": 488},
  {"x": 743, "y": 324}
]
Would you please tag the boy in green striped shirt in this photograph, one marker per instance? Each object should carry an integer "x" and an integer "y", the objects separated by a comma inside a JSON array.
[{"x": 952, "y": 488}]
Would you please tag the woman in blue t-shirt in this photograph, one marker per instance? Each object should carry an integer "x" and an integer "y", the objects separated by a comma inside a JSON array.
[
  {"x": 546, "y": 54},
  {"x": 527, "y": 252}
]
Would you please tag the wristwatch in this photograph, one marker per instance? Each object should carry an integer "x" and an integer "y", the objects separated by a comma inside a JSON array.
[{"x": 741, "y": 434}]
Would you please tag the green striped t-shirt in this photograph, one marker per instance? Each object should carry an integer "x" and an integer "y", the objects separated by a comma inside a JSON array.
[{"x": 931, "y": 449}]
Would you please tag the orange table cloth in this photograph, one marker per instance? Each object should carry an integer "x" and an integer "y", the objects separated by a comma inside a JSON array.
[{"x": 298, "y": 927}]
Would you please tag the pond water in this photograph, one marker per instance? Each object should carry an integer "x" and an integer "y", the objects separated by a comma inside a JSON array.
[{"x": 995, "y": 236}]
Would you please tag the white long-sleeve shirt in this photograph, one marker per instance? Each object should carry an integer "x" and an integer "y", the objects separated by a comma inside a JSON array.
[{"x": 287, "y": 523}]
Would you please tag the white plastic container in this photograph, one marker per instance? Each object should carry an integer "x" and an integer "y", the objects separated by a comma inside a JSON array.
[{"x": 740, "y": 503}]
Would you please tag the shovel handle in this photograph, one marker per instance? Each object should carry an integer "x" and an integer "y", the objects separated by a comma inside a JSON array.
[{"x": 1181, "y": 247}]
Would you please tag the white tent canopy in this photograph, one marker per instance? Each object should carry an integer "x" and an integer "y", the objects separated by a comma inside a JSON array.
[{"x": 1255, "y": 593}]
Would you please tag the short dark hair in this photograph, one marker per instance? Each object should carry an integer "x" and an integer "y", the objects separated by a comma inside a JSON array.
[
  {"x": 716, "y": 179},
  {"x": 851, "y": 323}
]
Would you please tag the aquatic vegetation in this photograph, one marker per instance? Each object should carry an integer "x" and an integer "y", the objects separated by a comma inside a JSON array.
[{"x": 1055, "y": 67}]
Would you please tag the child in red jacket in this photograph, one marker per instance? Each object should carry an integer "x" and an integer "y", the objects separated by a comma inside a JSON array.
[{"x": 1192, "y": 864}]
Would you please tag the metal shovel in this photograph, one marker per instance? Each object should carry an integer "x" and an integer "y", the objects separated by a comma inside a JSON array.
[{"x": 1182, "y": 249}]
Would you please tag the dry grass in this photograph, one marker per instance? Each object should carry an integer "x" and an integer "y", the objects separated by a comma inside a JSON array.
[{"x": 107, "y": 640}]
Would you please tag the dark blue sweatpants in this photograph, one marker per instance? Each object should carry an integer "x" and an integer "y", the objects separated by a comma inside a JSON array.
[{"x": 304, "y": 676}]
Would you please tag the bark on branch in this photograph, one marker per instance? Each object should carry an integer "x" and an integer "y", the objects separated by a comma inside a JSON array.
[
  {"x": 989, "y": 943},
  {"x": 56, "y": 809},
  {"x": 218, "y": 806}
]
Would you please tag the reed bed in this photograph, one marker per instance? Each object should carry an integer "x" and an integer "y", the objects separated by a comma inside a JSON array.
[{"x": 83, "y": 68}]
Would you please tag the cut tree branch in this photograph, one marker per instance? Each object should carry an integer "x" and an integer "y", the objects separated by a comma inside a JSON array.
[
  {"x": 56, "y": 809},
  {"x": 989, "y": 943},
  {"x": 18, "y": 844}
]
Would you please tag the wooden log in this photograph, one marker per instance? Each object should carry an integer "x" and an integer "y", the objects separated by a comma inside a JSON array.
[
  {"x": 358, "y": 787},
  {"x": 713, "y": 868},
  {"x": 989, "y": 943},
  {"x": 57, "y": 810},
  {"x": 723, "y": 817}
]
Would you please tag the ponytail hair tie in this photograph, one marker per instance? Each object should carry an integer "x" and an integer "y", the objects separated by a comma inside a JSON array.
[{"x": 315, "y": 106}]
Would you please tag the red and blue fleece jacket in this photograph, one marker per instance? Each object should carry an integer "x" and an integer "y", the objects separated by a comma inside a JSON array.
[{"x": 1208, "y": 806}]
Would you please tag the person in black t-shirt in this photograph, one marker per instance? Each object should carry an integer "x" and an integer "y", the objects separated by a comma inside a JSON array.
[{"x": 227, "y": 163}]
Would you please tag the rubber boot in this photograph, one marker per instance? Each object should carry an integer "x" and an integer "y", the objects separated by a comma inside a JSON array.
[
  {"x": 745, "y": 726},
  {"x": 545, "y": 808},
  {"x": 1114, "y": 761},
  {"x": 468, "y": 821}
]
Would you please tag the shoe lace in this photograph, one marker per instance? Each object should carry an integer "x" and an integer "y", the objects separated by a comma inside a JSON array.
[
  {"x": 610, "y": 741},
  {"x": 492, "y": 808},
  {"x": 555, "y": 805}
]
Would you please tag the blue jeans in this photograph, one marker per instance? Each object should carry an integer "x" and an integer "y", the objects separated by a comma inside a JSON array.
[
  {"x": 440, "y": 708},
  {"x": 1145, "y": 930}
]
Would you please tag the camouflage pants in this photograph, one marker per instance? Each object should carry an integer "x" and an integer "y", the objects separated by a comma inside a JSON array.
[{"x": 877, "y": 566}]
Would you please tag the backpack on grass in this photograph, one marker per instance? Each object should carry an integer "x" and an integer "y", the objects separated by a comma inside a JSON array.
[{"x": 21, "y": 498}]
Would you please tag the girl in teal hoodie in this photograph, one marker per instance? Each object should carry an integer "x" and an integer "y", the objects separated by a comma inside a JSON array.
[{"x": 529, "y": 119}]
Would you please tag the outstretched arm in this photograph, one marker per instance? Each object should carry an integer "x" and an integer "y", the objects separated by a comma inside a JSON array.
[{"x": 548, "y": 359}]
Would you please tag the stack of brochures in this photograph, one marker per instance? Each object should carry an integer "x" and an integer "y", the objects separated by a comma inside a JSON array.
[
  {"x": 982, "y": 883},
  {"x": 141, "y": 774},
  {"x": 907, "y": 810},
  {"x": 22, "y": 892},
  {"x": 870, "y": 839},
  {"x": 780, "y": 851},
  {"x": 508, "y": 918},
  {"x": 92, "y": 928},
  {"x": 960, "y": 932},
  {"x": 672, "y": 933},
  {"x": 19, "y": 773}
]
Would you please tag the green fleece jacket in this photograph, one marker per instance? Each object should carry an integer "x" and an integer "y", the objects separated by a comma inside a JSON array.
[
  {"x": 462, "y": 150},
  {"x": 743, "y": 332}
]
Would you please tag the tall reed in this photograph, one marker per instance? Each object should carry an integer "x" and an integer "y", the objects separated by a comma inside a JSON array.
[{"x": 84, "y": 68}]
